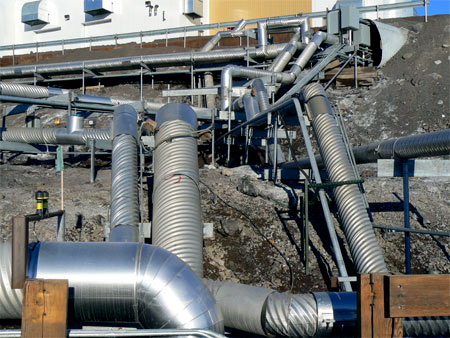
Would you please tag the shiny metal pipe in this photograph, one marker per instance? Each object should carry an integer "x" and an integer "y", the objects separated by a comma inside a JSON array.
[
  {"x": 237, "y": 31},
  {"x": 53, "y": 136},
  {"x": 159, "y": 60},
  {"x": 250, "y": 106},
  {"x": 364, "y": 247},
  {"x": 177, "y": 225},
  {"x": 423, "y": 145},
  {"x": 127, "y": 282},
  {"x": 23, "y": 90},
  {"x": 75, "y": 123},
  {"x": 10, "y": 299},
  {"x": 264, "y": 27},
  {"x": 124, "y": 177},
  {"x": 288, "y": 52}
]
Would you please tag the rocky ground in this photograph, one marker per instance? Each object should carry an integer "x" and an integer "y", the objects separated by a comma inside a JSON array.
[{"x": 251, "y": 244}]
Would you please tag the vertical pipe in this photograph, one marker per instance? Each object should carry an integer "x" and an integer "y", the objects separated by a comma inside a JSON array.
[
  {"x": 406, "y": 215},
  {"x": 275, "y": 149},
  {"x": 61, "y": 232}
]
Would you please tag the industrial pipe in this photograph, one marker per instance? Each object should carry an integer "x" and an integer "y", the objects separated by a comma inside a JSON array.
[
  {"x": 124, "y": 176},
  {"x": 236, "y": 32},
  {"x": 160, "y": 60},
  {"x": 23, "y": 90},
  {"x": 358, "y": 229},
  {"x": 177, "y": 225},
  {"x": 423, "y": 145},
  {"x": 118, "y": 282}
]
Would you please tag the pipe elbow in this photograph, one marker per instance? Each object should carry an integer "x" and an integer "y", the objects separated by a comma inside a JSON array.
[{"x": 170, "y": 295}]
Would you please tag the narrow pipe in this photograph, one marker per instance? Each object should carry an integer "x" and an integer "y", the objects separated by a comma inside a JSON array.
[
  {"x": 405, "y": 170},
  {"x": 177, "y": 225},
  {"x": 358, "y": 229},
  {"x": 124, "y": 180},
  {"x": 119, "y": 282}
]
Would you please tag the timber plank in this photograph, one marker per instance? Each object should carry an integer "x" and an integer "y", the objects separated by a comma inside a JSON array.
[
  {"x": 418, "y": 295},
  {"x": 364, "y": 306},
  {"x": 382, "y": 326},
  {"x": 44, "y": 309}
]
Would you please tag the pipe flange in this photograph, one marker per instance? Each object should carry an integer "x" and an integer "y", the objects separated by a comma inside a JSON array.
[{"x": 325, "y": 314}]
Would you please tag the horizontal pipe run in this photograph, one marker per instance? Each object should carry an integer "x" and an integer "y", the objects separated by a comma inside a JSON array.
[
  {"x": 414, "y": 146},
  {"x": 37, "y": 217},
  {"x": 160, "y": 60}
]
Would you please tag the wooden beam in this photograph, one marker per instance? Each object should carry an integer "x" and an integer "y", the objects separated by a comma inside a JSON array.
[
  {"x": 418, "y": 295},
  {"x": 19, "y": 264},
  {"x": 44, "y": 309},
  {"x": 364, "y": 306}
]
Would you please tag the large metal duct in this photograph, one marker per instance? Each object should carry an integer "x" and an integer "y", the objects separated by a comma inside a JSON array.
[
  {"x": 10, "y": 299},
  {"x": 177, "y": 225},
  {"x": 250, "y": 106},
  {"x": 22, "y": 90},
  {"x": 364, "y": 247},
  {"x": 160, "y": 60},
  {"x": 124, "y": 177},
  {"x": 423, "y": 145},
  {"x": 120, "y": 282},
  {"x": 236, "y": 32},
  {"x": 288, "y": 52}
]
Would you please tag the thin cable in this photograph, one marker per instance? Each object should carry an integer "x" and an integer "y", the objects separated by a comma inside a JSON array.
[{"x": 258, "y": 231}]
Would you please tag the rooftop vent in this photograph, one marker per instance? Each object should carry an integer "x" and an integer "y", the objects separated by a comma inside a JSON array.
[
  {"x": 193, "y": 8},
  {"x": 34, "y": 13}
]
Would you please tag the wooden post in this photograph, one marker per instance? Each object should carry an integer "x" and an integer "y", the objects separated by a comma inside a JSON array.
[
  {"x": 19, "y": 264},
  {"x": 44, "y": 309},
  {"x": 372, "y": 319}
]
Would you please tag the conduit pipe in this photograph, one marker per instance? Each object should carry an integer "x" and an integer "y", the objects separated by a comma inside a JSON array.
[
  {"x": 118, "y": 282},
  {"x": 430, "y": 144},
  {"x": 124, "y": 176},
  {"x": 160, "y": 60},
  {"x": 231, "y": 71},
  {"x": 358, "y": 229},
  {"x": 236, "y": 32},
  {"x": 177, "y": 225}
]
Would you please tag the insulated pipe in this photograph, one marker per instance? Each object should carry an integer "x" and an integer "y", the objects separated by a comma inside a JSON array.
[
  {"x": 210, "y": 98},
  {"x": 23, "y": 90},
  {"x": 431, "y": 144},
  {"x": 288, "y": 52},
  {"x": 228, "y": 72},
  {"x": 358, "y": 229},
  {"x": 53, "y": 136},
  {"x": 177, "y": 225},
  {"x": 119, "y": 282},
  {"x": 263, "y": 102},
  {"x": 124, "y": 177},
  {"x": 159, "y": 60},
  {"x": 237, "y": 31},
  {"x": 250, "y": 106}
]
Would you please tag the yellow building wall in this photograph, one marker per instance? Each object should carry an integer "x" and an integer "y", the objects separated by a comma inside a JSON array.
[{"x": 234, "y": 10}]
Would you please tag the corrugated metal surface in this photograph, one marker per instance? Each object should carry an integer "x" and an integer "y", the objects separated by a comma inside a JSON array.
[{"x": 231, "y": 10}]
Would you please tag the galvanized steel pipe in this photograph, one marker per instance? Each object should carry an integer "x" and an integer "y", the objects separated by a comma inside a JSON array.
[
  {"x": 177, "y": 225},
  {"x": 236, "y": 32},
  {"x": 358, "y": 229},
  {"x": 119, "y": 282},
  {"x": 124, "y": 177}
]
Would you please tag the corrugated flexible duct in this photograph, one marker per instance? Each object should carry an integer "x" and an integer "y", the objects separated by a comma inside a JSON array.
[
  {"x": 118, "y": 282},
  {"x": 177, "y": 225},
  {"x": 358, "y": 229},
  {"x": 124, "y": 177},
  {"x": 22, "y": 90}
]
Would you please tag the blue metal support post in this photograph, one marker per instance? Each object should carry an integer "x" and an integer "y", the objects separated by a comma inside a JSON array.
[{"x": 406, "y": 215}]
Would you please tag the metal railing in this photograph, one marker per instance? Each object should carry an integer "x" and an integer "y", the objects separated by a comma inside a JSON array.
[{"x": 176, "y": 30}]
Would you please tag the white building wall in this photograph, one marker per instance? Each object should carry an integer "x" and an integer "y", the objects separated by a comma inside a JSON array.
[
  {"x": 393, "y": 13},
  {"x": 128, "y": 16}
]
